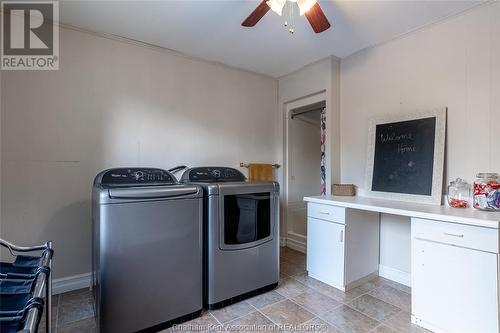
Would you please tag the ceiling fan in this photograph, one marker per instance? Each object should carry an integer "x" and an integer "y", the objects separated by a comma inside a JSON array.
[{"x": 309, "y": 8}]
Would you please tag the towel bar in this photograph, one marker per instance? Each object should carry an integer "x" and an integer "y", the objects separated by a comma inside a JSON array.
[{"x": 245, "y": 165}]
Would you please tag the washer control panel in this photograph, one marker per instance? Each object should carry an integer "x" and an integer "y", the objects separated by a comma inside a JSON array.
[
  {"x": 212, "y": 175},
  {"x": 137, "y": 177}
]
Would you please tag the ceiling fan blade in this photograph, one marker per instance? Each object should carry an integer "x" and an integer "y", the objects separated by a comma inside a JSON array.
[
  {"x": 256, "y": 15},
  {"x": 317, "y": 19}
]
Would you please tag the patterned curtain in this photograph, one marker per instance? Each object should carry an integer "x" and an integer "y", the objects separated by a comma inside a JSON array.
[{"x": 323, "y": 152}]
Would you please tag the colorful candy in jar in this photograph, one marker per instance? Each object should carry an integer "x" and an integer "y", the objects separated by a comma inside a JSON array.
[
  {"x": 487, "y": 191},
  {"x": 458, "y": 194},
  {"x": 457, "y": 203}
]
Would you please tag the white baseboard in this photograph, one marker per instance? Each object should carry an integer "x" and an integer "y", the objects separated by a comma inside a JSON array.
[
  {"x": 282, "y": 241},
  {"x": 395, "y": 275},
  {"x": 426, "y": 325},
  {"x": 296, "y": 245},
  {"x": 296, "y": 242},
  {"x": 70, "y": 283}
]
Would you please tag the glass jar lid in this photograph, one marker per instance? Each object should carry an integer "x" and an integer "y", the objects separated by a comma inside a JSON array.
[
  {"x": 487, "y": 175},
  {"x": 458, "y": 183}
]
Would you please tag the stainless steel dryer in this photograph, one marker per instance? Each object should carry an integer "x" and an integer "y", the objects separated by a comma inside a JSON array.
[
  {"x": 147, "y": 249},
  {"x": 241, "y": 226}
]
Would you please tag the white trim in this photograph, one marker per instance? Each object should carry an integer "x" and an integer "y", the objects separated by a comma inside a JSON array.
[
  {"x": 298, "y": 237},
  {"x": 296, "y": 242},
  {"x": 296, "y": 245},
  {"x": 426, "y": 325},
  {"x": 438, "y": 161},
  {"x": 70, "y": 283},
  {"x": 395, "y": 275}
]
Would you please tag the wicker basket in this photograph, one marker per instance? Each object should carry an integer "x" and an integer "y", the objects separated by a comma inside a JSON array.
[{"x": 344, "y": 189}]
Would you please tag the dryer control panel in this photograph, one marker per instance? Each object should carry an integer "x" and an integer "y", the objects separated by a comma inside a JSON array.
[
  {"x": 212, "y": 175},
  {"x": 136, "y": 177}
]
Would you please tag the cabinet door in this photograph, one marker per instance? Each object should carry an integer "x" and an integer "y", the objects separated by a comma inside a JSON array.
[
  {"x": 454, "y": 289},
  {"x": 325, "y": 251}
]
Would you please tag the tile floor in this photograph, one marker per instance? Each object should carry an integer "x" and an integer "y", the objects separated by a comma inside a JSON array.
[{"x": 379, "y": 306}]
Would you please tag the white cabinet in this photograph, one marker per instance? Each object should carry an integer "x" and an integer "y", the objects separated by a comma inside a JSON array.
[
  {"x": 454, "y": 281},
  {"x": 342, "y": 245},
  {"x": 325, "y": 251},
  {"x": 455, "y": 257}
]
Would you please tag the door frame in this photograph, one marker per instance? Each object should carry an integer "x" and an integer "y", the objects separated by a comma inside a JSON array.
[{"x": 300, "y": 242}]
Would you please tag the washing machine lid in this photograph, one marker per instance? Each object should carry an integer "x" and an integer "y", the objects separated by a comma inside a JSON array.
[
  {"x": 212, "y": 175},
  {"x": 134, "y": 177},
  {"x": 153, "y": 192}
]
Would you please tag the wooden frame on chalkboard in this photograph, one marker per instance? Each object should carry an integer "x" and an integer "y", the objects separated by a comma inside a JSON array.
[{"x": 406, "y": 157}]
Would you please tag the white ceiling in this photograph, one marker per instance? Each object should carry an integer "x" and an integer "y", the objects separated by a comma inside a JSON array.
[{"x": 211, "y": 29}]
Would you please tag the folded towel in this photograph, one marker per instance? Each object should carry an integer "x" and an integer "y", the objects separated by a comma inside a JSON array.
[{"x": 260, "y": 172}]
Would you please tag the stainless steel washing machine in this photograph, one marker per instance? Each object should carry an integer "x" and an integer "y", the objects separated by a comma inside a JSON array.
[
  {"x": 241, "y": 227},
  {"x": 147, "y": 249}
]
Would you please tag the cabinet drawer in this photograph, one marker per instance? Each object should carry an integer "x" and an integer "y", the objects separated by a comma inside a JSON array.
[
  {"x": 326, "y": 212},
  {"x": 479, "y": 238}
]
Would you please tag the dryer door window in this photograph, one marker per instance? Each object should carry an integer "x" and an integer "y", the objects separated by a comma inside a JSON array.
[{"x": 247, "y": 218}]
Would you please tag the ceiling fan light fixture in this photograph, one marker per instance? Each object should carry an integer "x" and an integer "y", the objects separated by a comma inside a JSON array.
[
  {"x": 305, "y": 5},
  {"x": 310, "y": 8},
  {"x": 276, "y": 6}
]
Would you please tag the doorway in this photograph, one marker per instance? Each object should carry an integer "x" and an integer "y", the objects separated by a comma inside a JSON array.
[{"x": 305, "y": 164}]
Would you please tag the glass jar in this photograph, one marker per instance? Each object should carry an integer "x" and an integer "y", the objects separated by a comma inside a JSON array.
[
  {"x": 458, "y": 194},
  {"x": 487, "y": 191}
]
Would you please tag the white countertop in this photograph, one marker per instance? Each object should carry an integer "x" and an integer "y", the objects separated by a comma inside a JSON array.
[{"x": 441, "y": 213}]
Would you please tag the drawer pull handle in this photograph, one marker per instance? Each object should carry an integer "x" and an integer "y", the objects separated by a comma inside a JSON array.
[
  {"x": 454, "y": 235},
  {"x": 341, "y": 236},
  {"x": 324, "y": 212}
]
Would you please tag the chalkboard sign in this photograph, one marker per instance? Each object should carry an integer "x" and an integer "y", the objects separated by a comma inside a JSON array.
[{"x": 406, "y": 157}]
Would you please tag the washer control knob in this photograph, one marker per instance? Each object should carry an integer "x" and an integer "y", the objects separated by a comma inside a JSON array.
[{"x": 139, "y": 175}]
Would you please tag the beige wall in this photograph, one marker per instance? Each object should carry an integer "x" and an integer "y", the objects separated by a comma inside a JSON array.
[
  {"x": 116, "y": 104},
  {"x": 456, "y": 64}
]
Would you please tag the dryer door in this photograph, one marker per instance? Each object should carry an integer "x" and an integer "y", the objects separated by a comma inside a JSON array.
[{"x": 248, "y": 215}]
